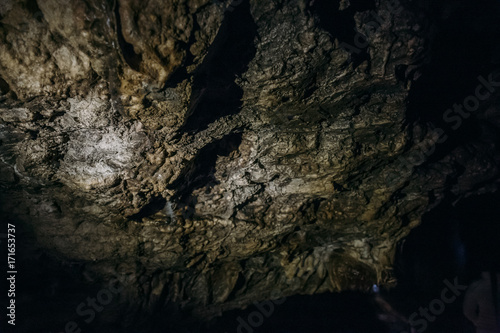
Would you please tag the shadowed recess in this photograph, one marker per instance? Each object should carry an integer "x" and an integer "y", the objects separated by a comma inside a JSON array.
[
  {"x": 4, "y": 86},
  {"x": 215, "y": 92},
  {"x": 153, "y": 206},
  {"x": 459, "y": 55},
  {"x": 131, "y": 58},
  {"x": 202, "y": 170},
  {"x": 340, "y": 23}
]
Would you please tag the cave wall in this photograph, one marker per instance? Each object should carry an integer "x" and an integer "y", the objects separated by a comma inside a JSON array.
[{"x": 218, "y": 153}]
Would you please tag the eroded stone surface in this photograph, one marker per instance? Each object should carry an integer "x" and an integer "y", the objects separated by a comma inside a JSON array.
[{"x": 219, "y": 155}]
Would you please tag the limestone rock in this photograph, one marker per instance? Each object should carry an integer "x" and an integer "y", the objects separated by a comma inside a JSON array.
[{"x": 216, "y": 153}]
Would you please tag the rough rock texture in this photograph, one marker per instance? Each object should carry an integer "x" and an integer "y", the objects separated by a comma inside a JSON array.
[{"x": 218, "y": 153}]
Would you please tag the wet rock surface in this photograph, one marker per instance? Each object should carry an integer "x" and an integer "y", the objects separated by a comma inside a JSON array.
[{"x": 213, "y": 154}]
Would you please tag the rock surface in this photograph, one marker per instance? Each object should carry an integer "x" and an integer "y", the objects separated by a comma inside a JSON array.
[{"x": 213, "y": 154}]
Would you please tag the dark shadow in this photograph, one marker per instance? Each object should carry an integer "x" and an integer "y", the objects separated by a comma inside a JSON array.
[
  {"x": 178, "y": 75},
  {"x": 131, "y": 58},
  {"x": 153, "y": 206},
  {"x": 202, "y": 170},
  {"x": 432, "y": 252},
  {"x": 480, "y": 231},
  {"x": 34, "y": 10},
  {"x": 47, "y": 289},
  {"x": 348, "y": 311},
  {"x": 4, "y": 87},
  {"x": 215, "y": 92},
  {"x": 453, "y": 242},
  {"x": 460, "y": 52},
  {"x": 341, "y": 25}
]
